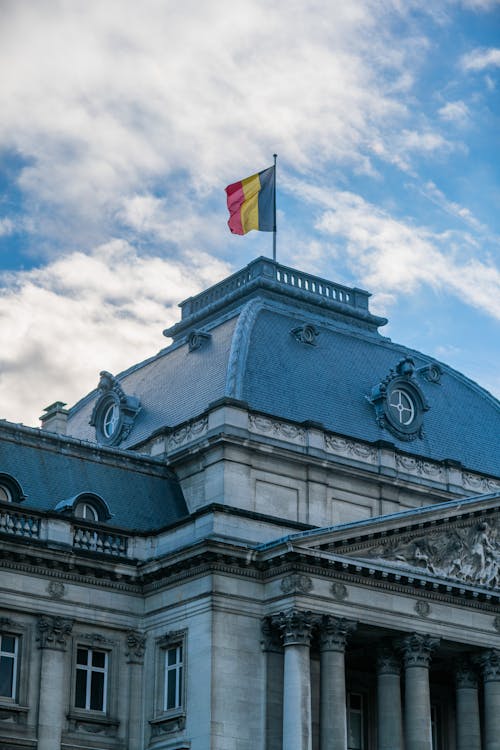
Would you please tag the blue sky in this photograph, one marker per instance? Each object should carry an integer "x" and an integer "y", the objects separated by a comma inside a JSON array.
[{"x": 123, "y": 122}]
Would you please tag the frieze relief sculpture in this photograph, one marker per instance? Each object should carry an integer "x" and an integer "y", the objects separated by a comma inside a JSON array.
[{"x": 467, "y": 555}]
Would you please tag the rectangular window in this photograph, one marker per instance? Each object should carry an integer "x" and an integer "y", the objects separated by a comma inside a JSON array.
[
  {"x": 355, "y": 722},
  {"x": 91, "y": 679},
  {"x": 9, "y": 650},
  {"x": 173, "y": 684}
]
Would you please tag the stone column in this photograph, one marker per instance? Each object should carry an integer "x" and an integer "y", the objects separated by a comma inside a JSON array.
[
  {"x": 417, "y": 651},
  {"x": 467, "y": 707},
  {"x": 490, "y": 662},
  {"x": 136, "y": 643},
  {"x": 389, "y": 715},
  {"x": 333, "y": 635},
  {"x": 53, "y": 694},
  {"x": 273, "y": 649},
  {"x": 295, "y": 627}
]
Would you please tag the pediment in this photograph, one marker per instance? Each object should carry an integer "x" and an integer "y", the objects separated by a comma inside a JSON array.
[{"x": 458, "y": 542}]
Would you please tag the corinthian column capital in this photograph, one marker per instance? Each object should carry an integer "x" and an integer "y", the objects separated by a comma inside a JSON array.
[
  {"x": 417, "y": 649},
  {"x": 465, "y": 674},
  {"x": 334, "y": 632},
  {"x": 388, "y": 661},
  {"x": 490, "y": 663},
  {"x": 295, "y": 626},
  {"x": 53, "y": 631}
]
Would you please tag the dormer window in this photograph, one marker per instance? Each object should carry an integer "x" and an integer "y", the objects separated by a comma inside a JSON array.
[
  {"x": 5, "y": 494},
  {"x": 86, "y": 506},
  {"x": 114, "y": 411},
  {"x": 10, "y": 490},
  {"x": 86, "y": 511}
]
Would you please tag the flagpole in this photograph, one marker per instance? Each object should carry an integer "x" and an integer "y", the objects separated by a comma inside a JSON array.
[{"x": 274, "y": 208}]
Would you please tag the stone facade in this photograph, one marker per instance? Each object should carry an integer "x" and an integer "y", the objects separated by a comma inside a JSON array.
[{"x": 239, "y": 579}]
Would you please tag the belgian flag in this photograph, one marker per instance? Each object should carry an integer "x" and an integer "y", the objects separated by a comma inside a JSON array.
[{"x": 251, "y": 203}]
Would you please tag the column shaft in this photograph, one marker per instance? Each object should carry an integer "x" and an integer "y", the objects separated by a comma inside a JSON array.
[
  {"x": 333, "y": 721},
  {"x": 490, "y": 662},
  {"x": 297, "y": 699},
  {"x": 52, "y": 703},
  {"x": 389, "y": 714},
  {"x": 417, "y": 655},
  {"x": 467, "y": 708}
]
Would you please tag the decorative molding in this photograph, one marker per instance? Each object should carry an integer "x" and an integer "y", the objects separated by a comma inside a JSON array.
[
  {"x": 171, "y": 638},
  {"x": 283, "y": 430},
  {"x": 422, "y": 608},
  {"x": 236, "y": 366},
  {"x": 136, "y": 645},
  {"x": 186, "y": 433},
  {"x": 96, "y": 639},
  {"x": 419, "y": 467},
  {"x": 56, "y": 589},
  {"x": 305, "y": 334},
  {"x": 431, "y": 372},
  {"x": 129, "y": 406},
  {"x": 496, "y": 623},
  {"x": 470, "y": 555},
  {"x": 295, "y": 626},
  {"x": 296, "y": 583},
  {"x": 54, "y": 631},
  {"x": 417, "y": 649},
  {"x": 350, "y": 448},
  {"x": 479, "y": 483},
  {"x": 339, "y": 591},
  {"x": 403, "y": 416},
  {"x": 168, "y": 725},
  {"x": 334, "y": 632}
]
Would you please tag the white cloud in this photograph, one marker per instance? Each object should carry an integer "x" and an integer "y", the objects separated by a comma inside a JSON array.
[
  {"x": 62, "y": 324},
  {"x": 6, "y": 226},
  {"x": 456, "y": 112},
  {"x": 393, "y": 257},
  {"x": 480, "y": 59}
]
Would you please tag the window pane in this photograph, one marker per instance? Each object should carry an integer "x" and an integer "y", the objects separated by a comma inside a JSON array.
[
  {"x": 355, "y": 701},
  {"x": 97, "y": 691},
  {"x": 6, "y": 676},
  {"x": 172, "y": 656},
  {"x": 171, "y": 689},
  {"x": 80, "y": 688},
  {"x": 98, "y": 659},
  {"x": 355, "y": 731},
  {"x": 82, "y": 656},
  {"x": 9, "y": 643}
]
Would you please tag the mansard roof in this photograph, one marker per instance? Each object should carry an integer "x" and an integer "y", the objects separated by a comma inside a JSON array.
[
  {"x": 139, "y": 492},
  {"x": 301, "y": 348}
]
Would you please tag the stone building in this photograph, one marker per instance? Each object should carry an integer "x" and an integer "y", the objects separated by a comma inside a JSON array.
[{"x": 280, "y": 532}]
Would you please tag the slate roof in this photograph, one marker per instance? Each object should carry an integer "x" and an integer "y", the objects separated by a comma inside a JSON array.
[
  {"x": 252, "y": 356},
  {"x": 140, "y": 493}
]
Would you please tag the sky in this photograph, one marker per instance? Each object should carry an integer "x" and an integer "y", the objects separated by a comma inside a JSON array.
[{"x": 122, "y": 122}]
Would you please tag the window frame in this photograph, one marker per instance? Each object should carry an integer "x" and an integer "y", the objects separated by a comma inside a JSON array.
[
  {"x": 15, "y": 658},
  {"x": 169, "y": 719},
  {"x": 362, "y": 712},
  {"x": 89, "y": 669},
  {"x": 12, "y": 488},
  {"x": 88, "y": 718},
  {"x": 22, "y": 632}
]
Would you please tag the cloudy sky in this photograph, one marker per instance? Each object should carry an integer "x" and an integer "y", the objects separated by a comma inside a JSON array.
[{"x": 122, "y": 122}]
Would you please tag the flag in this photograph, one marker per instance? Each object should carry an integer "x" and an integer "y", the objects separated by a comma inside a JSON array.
[{"x": 251, "y": 203}]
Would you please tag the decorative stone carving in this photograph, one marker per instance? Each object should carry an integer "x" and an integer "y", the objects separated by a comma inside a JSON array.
[
  {"x": 56, "y": 589},
  {"x": 479, "y": 483},
  {"x": 168, "y": 726},
  {"x": 260, "y": 424},
  {"x": 296, "y": 583},
  {"x": 136, "y": 645},
  {"x": 465, "y": 674},
  {"x": 334, "y": 632},
  {"x": 127, "y": 408},
  {"x": 339, "y": 591},
  {"x": 53, "y": 631},
  {"x": 490, "y": 663},
  {"x": 399, "y": 402},
  {"x": 468, "y": 555},
  {"x": 295, "y": 626},
  {"x": 96, "y": 639},
  {"x": 417, "y": 649},
  {"x": 496, "y": 623},
  {"x": 196, "y": 339},
  {"x": 305, "y": 334},
  {"x": 419, "y": 467},
  {"x": 271, "y": 637},
  {"x": 388, "y": 661},
  {"x": 186, "y": 433},
  {"x": 422, "y": 608},
  {"x": 344, "y": 447},
  {"x": 432, "y": 372},
  {"x": 5, "y": 622}
]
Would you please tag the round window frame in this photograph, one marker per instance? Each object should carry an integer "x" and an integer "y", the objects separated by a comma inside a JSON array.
[
  {"x": 413, "y": 395},
  {"x": 107, "y": 402}
]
